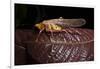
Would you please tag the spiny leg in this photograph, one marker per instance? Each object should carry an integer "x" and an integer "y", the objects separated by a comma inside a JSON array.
[
  {"x": 75, "y": 31},
  {"x": 65, "y": 32},
  {"x": 39, "y": 35},
  {"x": 76, "y": 39},
  {"x": 69, "y": 34}
]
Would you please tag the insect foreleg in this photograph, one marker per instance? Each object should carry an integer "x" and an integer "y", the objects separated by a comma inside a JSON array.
[{"x": 39, "y": 35}]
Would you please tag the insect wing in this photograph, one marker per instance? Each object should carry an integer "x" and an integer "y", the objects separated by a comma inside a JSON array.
[
  {"x": 67, "y": 22},
  {"x": 73, "y": 22}
]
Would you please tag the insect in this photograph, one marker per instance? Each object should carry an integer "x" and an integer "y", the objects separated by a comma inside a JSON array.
[{"x": 54, "y": 25}]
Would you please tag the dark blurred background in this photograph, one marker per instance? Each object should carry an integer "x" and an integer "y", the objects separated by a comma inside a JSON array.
[{"x": 26, "y": 15}]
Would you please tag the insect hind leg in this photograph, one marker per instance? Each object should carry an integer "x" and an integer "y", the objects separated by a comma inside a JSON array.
[{"x": 71, "y": 37}]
